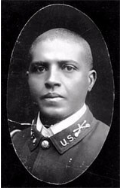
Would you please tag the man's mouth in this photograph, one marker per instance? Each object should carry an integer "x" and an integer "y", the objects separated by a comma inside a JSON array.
[{"x": 51, "y": 96}]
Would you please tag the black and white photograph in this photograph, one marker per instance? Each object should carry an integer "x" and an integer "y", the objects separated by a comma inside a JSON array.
[{"x": 61, "y": 122}]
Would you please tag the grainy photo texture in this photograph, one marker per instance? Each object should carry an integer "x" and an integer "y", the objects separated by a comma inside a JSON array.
[{"x": 60, "y": 94}]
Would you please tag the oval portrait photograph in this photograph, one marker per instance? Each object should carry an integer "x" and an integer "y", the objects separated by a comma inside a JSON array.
[{"x": 60, "y": 96}]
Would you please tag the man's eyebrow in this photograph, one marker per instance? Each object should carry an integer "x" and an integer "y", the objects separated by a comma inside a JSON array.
[
  {"x": 59, "y": 62},
  {"x": 38, "y": 62},
  {"x": 67, "y": 61}
]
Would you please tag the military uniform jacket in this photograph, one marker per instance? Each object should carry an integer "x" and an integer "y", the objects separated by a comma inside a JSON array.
[{"x": 64, "y": 156}]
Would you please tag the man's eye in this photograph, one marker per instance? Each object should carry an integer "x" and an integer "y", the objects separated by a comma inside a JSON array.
[
  {"x": 37, "y": 69},
  {"x": 41, "y": 69},
  {"x": 68, "y": 68}
]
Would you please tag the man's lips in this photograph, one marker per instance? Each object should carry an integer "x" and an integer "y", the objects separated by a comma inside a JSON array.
[{"x": 51, "y": 96}]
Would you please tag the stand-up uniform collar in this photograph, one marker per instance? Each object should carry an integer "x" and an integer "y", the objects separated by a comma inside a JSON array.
[
  {"x": 66, "y": 138},
  {"x": 54, "y": 129}
]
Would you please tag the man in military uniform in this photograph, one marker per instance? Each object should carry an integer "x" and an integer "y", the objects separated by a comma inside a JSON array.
[{"x": 64, "y": 139}]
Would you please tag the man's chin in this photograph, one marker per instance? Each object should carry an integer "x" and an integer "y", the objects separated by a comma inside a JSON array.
[{"x": 53, "y": 113}]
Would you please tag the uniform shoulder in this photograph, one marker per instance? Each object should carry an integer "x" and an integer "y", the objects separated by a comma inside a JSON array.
[
  {"x": 103, "y": 126},
  {"x": 102, "y": 129},
  {"x": 19, "y": 138},
  {"x": 16, "y": 127}
]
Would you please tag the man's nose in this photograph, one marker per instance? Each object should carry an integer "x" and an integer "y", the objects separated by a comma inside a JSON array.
[{"x": 52, "y": 78}]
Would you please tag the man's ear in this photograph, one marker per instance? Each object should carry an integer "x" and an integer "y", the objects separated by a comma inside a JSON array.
[{"x": 92, "y": 78}]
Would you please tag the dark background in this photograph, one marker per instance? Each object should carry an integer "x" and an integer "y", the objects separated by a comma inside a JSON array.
[{"x": 105, "y": 170}]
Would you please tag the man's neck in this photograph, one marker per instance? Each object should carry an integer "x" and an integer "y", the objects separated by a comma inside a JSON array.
[
  {"x": 48, "y": 120},
  {"x": 64, "y": 123}
]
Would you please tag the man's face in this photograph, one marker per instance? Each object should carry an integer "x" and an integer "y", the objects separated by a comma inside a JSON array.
[{"x": 58, "y": 77}]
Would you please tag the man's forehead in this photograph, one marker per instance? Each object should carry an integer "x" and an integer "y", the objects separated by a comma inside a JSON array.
[
  {"x": 64, "y": 35},
  {"x": 59, "y": 33},
  {"x": 58, "y": 44}
]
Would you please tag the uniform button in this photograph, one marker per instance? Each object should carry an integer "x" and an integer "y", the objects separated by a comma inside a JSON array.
[{"x": 45, "y": 144}]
